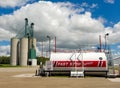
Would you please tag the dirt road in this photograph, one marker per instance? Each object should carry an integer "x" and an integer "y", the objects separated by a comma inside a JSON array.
[{"x": 9, "y": 79}]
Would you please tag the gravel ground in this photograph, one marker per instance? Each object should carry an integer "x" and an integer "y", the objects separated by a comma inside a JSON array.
[
  {"x": 24, "y": 78},
  {"x": 19, "y": 69}
]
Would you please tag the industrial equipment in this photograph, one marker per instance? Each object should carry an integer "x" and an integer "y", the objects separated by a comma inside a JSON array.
[
  {"x": 78, "y": 64},
  {"x": 23, "y": 47}
]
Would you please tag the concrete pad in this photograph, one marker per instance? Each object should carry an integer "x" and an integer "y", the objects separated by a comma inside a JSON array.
[
  {"x": 24, "y": 75},
  {"x": 114, "y": 79}
]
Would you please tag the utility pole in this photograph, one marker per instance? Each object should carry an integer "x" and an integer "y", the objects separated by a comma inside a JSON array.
[
  {"x": 55, "y": 45},
  {"x": 49, "y": 45},
  {"x": 100, "y": 43},
  {"x": 106, "y": 41}
]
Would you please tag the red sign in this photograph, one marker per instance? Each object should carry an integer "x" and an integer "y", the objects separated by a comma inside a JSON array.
[{"x": 79, "y": 63}]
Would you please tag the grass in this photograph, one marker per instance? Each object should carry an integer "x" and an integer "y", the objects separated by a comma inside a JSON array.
[
  {"x": 7, "y": 66},
  {"x": 117, "y": 68}
]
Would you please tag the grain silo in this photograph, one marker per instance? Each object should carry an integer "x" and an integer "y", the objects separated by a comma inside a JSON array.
[
  {"x": 14, "y": 51},
  {"x": 23, "y": 47},
  {"x": 23, "y": 51}
]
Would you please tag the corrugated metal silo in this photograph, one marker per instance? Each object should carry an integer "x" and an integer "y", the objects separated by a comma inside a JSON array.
[
  {"x": 14, "y": 51},
  {"x": 32, "y": 52},
  {"x": 23, "y": 51}
]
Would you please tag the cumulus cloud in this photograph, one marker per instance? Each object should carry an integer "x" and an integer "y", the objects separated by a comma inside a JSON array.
[
  {"x": 56, "y": 19},
  {"x": 102, "y": 20},
  {"x": 86, "y": 5},
  {"x": 114, "y": 33},
  {"x": 118, "y": 46},
  {"x": 86, "y": 23},
  {"x": 71, "y": 27},
  {"x": 109, "y": 1},
  {"x": 4, "y": 34},
  {"x": 4, "y": 50},
  {"x": 12, "y": 3},
  {"x": 94, "y": 5}
]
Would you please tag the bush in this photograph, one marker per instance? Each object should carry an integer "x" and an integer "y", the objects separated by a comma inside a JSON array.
[
  {"x": 41, "y": 59},
  {"x": 4, "y": 60}
]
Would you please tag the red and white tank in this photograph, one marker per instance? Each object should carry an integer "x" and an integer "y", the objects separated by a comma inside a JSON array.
[{"x": 87, "y": 61}]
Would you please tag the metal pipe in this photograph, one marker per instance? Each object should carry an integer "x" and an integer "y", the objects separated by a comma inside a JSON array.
[
  {"x": 49, "y": 45},
  {"x": 42, "y": 49},
  {"x": 55, "y": 45},
  {"x": 26, "y": 24},
  {"x": 32, "y": 32},
  {"x": 100, "y": 43},
  {"x": 105, "y": 40}
]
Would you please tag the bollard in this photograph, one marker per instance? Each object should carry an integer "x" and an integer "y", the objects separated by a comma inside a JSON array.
[{"x": 36, "y": 73}]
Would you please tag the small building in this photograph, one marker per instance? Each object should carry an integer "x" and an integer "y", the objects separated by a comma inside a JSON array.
[{"x": 116, "y": 61}]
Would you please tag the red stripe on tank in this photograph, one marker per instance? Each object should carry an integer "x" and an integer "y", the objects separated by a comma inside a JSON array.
[{"x": 79, "y": 63}]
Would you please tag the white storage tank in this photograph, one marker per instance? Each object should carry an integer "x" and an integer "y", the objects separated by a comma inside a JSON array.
[
  {"x": 23, "y": 51},
  {"x": 87, "y": 61},
  {"x": 14, "y": 51}
]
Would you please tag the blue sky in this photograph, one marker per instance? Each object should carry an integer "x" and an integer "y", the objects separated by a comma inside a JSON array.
[
  {"x": 104, "y": 11},
  {"x": 105, "y": 8}
]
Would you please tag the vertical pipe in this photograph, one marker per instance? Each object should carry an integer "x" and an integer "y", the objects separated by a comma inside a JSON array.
[
  {"x": 49, "y": 45},
  {"x": 55, "y": 45},
  {"x": 32, "y": 32},
  {"x": 42, "y": 50},
  {"x": 26, "y": 24},
  {"x": 106, "y": 40},
  {"x": 100, "y": 43}
]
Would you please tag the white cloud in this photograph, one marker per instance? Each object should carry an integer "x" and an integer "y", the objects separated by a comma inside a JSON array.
[
  {"x": 102, "y": 20},
  {"x": 5, "y": 34},
  {"x": 114, "y": 33},
  {"x": 86, "y": 23},
  {"x": 56, "y": 19},
  {"x": 86, "y": 5},
  {"x": 4, "y": 50},
  {"x": 118, "y": 46},
  {"x": 94, "y": 5},
  {"x": 117, "y": 27},
  {"x": 61, "y": 20},
  {"x": 109, "y": 1},
  {"x": 12, "y": 3}
]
